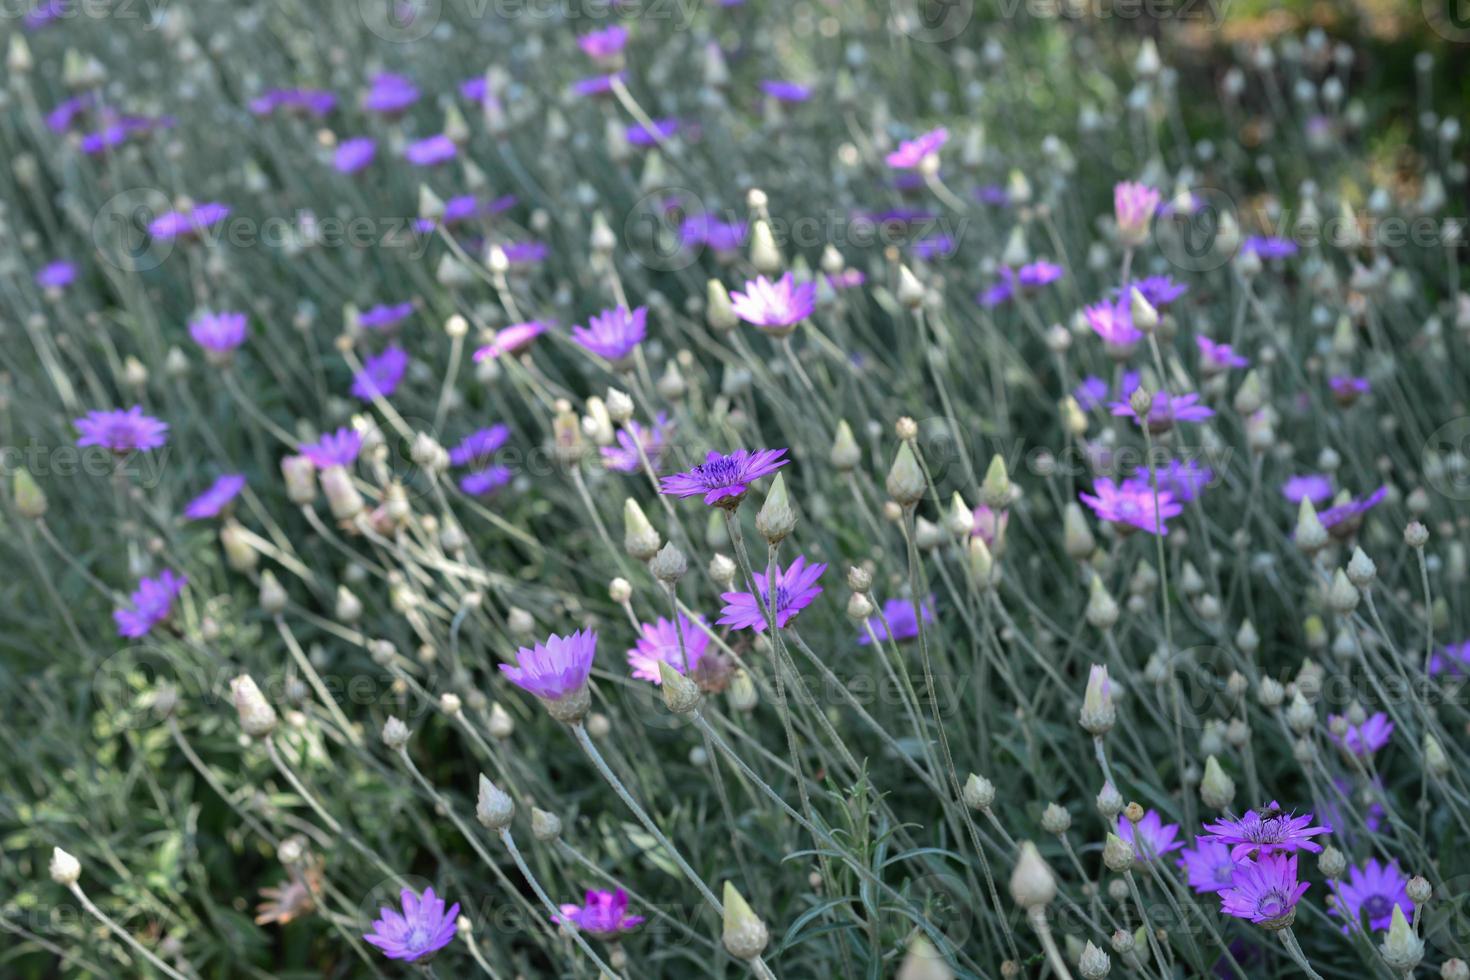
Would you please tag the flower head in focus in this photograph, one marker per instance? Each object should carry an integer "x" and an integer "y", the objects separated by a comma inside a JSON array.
[
  {"x": 121, "y": 430},
  {"x": 795, "y": 589},
  {"x": 1264, "y": 891},
  {"x": 603, "y": 915},
  {"x": 420, "y": 929},
  {"x": 724, "y": 479},
  {"x": 555, "y": 669},
  {"x": 1266, "y": 831}
]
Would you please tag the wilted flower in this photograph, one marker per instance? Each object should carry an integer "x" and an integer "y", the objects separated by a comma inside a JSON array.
[
  {"x": 150, "y": 604},
  {"x": 1264, "y": 891},
  {"x": 1265, "y": 832},
  {"x": 380, "y": 374},
  {"x": 216, "y": 498},
  {"x": 724, "y": 479},
  {"x": 122, "y": 431},
  {"x": 603, "y": 915},
  {"x": 795, "y": 588},
  {"x": 1372, "y": 890},
  {"x": 421, "y": 929},
  {"x": 613, "y": 334}
]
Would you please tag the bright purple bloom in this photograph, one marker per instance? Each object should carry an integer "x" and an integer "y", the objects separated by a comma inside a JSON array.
[
  {"x": 912, "y": 153},
  {"x": 1266, "y": 832},
  {"x": 704, "y": 229},
  {"x": 1348, "y": 390},
  {"x": 1367, "y": 738},
  {"x": 385, "y": 316},
  {"x": 216, "y": 498},
  {"x": 354, "y": 154},
  {"x": 556, "y": 668},
  {"x": 1151, "y": 838},
  {"x": 613, "y": 334},
  {"x": 796, "y": 587},
  {"x": 219, "y": 333},
  {"x": 1131, "y": 504},
  {"x": 1134, "y": 205},
  {"x": 390, "y": 94},
  {"x": 653, "y": 439},
  {"x": 1113, "y": 322},
  {"x": 1315, "y": 487},
  {"x": 190, "y": 223},
  {"x": 902, "y": 622},
  {"x": 604, "y": 44},
  {"x": 1217, "y": 358},
  {"x": 724, "y": 479},
  {"x": 604, "y": 915},
  {"x": 56, "y": 275},
  {"x": 935, "y": 247},
  {"x": 1090, "y": 393},
  {"x": 338, "y": 448},
  {"x": 481, "y": 483},
  {"x": 380, "y": 374},
  {"x": 511, "y": 340},
  {"x": 1029, "y": 277},
  {"x": 1454, "y": 657},
  {"x": 659, "y": 642},
  {"x": 786, "y": 91},
  {"x": 305, "y": 101},
  {"x": 1166, "y": 410},
  {"x": 476, "y": 448},
  {"x": 1348, "y": 514},
  {"x": 149, "y": 605},
  {"x": 476, "y": 89},
  {"x": 1372, "y": 890},
  {"x": 67, "y": 111},
  {"x": 422, "y": 929},
  {"x": 597, "y": 84},
  {"x": 780, "y": 304},
  {"x": 640, "y": 135},
  {"x": 431, "y": 151},
  {"x": 1269, "y": 246},
  {"x": 122, "y": 431},
  {"x": 1209, "y": 866},
  {"x": 1264, "y": 891},
  {"x": 46, "y": 12},
  {"x": 525, "y": 253},
  {"x": 1184, "y": 480},
  {"x": 1160, "y": 291}
]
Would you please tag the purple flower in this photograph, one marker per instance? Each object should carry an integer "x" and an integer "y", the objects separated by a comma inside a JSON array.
[
  {"x": 1134, "y": 205},
  {"x": 703, "y": 229},
  {"x": 781, "y": 304},
  {"x": 1372, "y": 890},
  {"x": 56, "y": 275},
  {"x": 989, "y": 525},
  {"x": 219, "y": 333},
  {"x": 935, "y": 247},
  {"x": 786, "y": 91},
  {"x": 613, "y": 334},
  {"x": 912, "y": 153},
  {"x": 1366, "y": 738},
  {"x": 1029, "y": 277},
  {"x": 604, "y": 915},
  {"x": 640, "y": 135},
  {"x": 1184, "y": 480},
  {"x": 847, "y": 279},
  {"x": 556, "y": 668},
  {"x": 1264, "y": 891},
  {"x": 338, "y": 448},
  {"x": 431, "y": 151},
  {"x": 190, "y": 223},
  {"x": 659, "y": 642},
  {"x": 796, "y": 587},
  {"x": 1315, "y": 487},
  {"x": 1454, "y": 657},
  {"x": 525, "y": 253},
  {"x": 380, "y": 374},
  {"x": 901, "y": 621},
  {"x": 1090, "y": 393},
  {"x": 422, "y": 929},
  {"x": 390, "y": 94},
  {"x": 1268, "y": 247},
  {"x": 723, "y": 479},
  {"x": 653, "y": 439},
  {"x": 304, "y": 101},
  {"x": 149, "y": 605},
  {"x": 993, "y": 194},
  {"x": 1151, "y": 837},
  {"x": 46, "y": 12},
  {"x": 385, "y": 316},
  {"x": 1347, "y": 516},
  {"x": 1131, "y": 504},
  {"x": 1166, "y": 410},
  {"x": 122, "y": 431},
  {"x": 67, "y": 111},
  {"x": 1217, "y": 358},
  {"x": 354, "y": 154},
  {"x": 1266, "y": 832},
  {"x": 1209, "y": 866},
  {"x": 1160, "y": 291},
  {"x": 476, "y": 448},
  {"x": 483, "y": 482},
  {"x": 1347, "y": 390},
  {"x": 464, "y": 208},
  {"x": 597, "y": 84},
  {"x": 604, "y": 44},
  {"x": 216, "y": 498},
  {"x": 511, "y": 340},
  {"x": 476, "y": 89},
  {"x": 1113, "y": 323}
]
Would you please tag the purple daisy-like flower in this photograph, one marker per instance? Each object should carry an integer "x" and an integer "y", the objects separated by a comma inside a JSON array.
[
  {"x": 1185, "y": 480},
  {"x": 724, "y": 479},
  {"x": 219, "y": 495},
  {"x": 912, "y": 153},
  {"x": 431, "y": 151},
  {"x": 482, "y": 483},
  {"x": 659, "y": 642},
  {"x": 902, "y": 623},
  {"x": 1264, "y": 891},
  {"x": 1268, "y": 247},
  {"x": 150, "y": 604},
  {"x": 353, "y": 155},
  {"x": 796, "y": 588},
  {"x": 219, "y": 333},
  {"x": 1165, "y": 411},
  {"x": 1028, "y": 277},
  {"x": 1150, "y": 837},
  {"x": 380, "y": 374},
  {"x": 775, "y": 305},
  {"x": 597, "y": 84},
  {"x": 614, "y": 333},
  {"x": 389, "y": 94},
  {"x": 1346, "y": 390},
  {"x": 783, "y": 91},
  {"x": 56, "y": 275},
  {"x": 639, "y": 134},
  {"x": 653, "y": 440},
  {"x": 1315, "y": 487},
  {"x": 421, "y": 929},
  {"x": 1366, "y": 738},
  {"x": 1134, "y": 205},
  {"x": 304, "y": 101},
  {"x": 476, "y": 448},
  {"x": 466, "y": 207},
  {"x": 1345, "y": 517},
  {"x": 385, "y": 316},
  {"x": 338, "y": 448},
  {"x": 511, "y": 340},
  {"x": 1131, "y": 505},
  {"x": 934, "y": 247},
  {"x": 68, "y": 111},
  {"x": 526, "y": 253},
  {"x": 121, "y": 430},
  {"x": 1266, "y": 832},
  {"x": 1453, "y": 657},
  {"x": 1209, "y": 866},
  {"x": 1091, "y": 393},
  {"x": 188, "y": 223},
  {"x": 1218, "y": 358},
  {"x": 554, "y": 669},
  {"x": 1113, "y": 322},
  {"x": 603, "y": 44},
  {"x": 1160, "y": 291},
  {"x": 702, "y": 229},
  {"x": 604, "y": 915},
  {"x": 1371, "y": 891},
  {"x": 476, "y": 89}
]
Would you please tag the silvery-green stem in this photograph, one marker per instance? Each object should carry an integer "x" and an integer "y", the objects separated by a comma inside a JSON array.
[
  {"x": 1036, "y": 915},
  {"x": 123, "y": 934},
  {"x": 1294, "y": 950},
  {"x": 574, "y": 932}
]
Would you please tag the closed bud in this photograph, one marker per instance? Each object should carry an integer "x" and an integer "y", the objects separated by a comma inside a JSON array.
[
  {"x": 978, "y": 793},
  {"x": 910, "y": 291},
  {"x": 1331, "y": 862},
  {"x": 1093, "y": 964},
  {"x": 722, "y": 571},
  {"x": 1343, "y": 594},
  {"x": 640, "y": 539},
  {"x": 30, "y": 499},
  {"x": 765, "y": 255},
  {"x": 1402, "y": 949},
  {"x": 1109, "y": 802},
  {"x": 905, "y": 479},
  {"x": 1055, "y": 819},
  {"x": 64, "y": 868},
  {"x": 1216, "y": 789},
  {"x": 776, "y": 519},
  {"x": 1097, "y": 715},
  {"x": 1077, "y": 539},
  {"x": 1360, "y": 569},
  {"x": 1434, "y": 757},
  {"x": 257, "y": 717},
  {"x": 342, "y": 496},
  {"x": 1300, "y": 715},
  {"x": 1419, "y": 890},
  {"x": 1270, "y": 692},
  {"x": 1102, "y": 608},
  {"x": 500, "y": 724},
  {"x": 995, "y": 490},
  {"x": 743, "y": 934},
  {"x": 1117, "y": 854},
  {"x": 1032, "y": 883},
  {"x": 743, "y": 694},
  {"x": 845, "y": 454},
  {"x": 1454, "y": 969},
  {"x": 545, "y": 826},
  {"x": 395, "y": 733},
  {"x": 272, "y": 594},
  {"x": 1416, "y": 536},
  {"x": 719, "y": 313},
  {"x": 982, "y": 563},
  {"x": 923, "y": 962},
  {"x": 859, "y": 608},
  {"x": 681, "y": 695},
  {"x": 1145, "y": 317},
  {"x": 240, "y": 555},
  {"x": 669, "y": 564},
  {"x": 494, "y": 808},
  {"x": 300, "y": 476}
]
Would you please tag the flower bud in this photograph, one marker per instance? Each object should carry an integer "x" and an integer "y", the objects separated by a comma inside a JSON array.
[
  {"x": 545, "y": 826},
  {"x": 300, "y": 475},
  {"x": 743, "y": 694},
  {"x": 845, "y": 454},
  {"x": 669, "y": 564},
  {"x": 272, "y": 594},
  {"x": 1055, "y": 819},
  {"x": 1109, "y": 802},
  {"x": 1416, "y": 536},
  {"x": 859, "y": 608},
  {"x": 1311, "y": 536},
  {"x": 640, "y": 539},
  {"x": 905, "y": 479},
  {"x": 995, "y": 489},
  {"x": 1077, "y": 539},
  {"x": 65, "y": 869},
  {"x": 978, "y": 793},
  {"x": 494, "y": 808},
  {"x": 1117, "y": 854},
  {"x": 1342, "y": 595},
  {"x": 1331, "y": 862},
  {"x": 923, "y": 962},
  {"x": 1093, "y": 964},
  {"x": 1032, "y": 883},
  {"x": 342, "y": 496},
  {"x": 30, "y": 499},
  {"x": 744, "y": 935},
  {"x": 1097, "y": 715},
  {"x": 1419, "y": 890},
  {"x": 1102, "y": 608},
  {"x": 235, "y": 542},
  {"x": 500, "y": 723},
  {"x": 1216, "y": 789},
  {"x": 1360, "y": 570},
  {"x": 395, "y": 733},
  {"x": 776, "y": 519},
  {"x": 257, "y": 717},
  {"x": 681, "y": 695},
  {"x": 1402, "y": 949},
  {"x": 719, "y": 313}
]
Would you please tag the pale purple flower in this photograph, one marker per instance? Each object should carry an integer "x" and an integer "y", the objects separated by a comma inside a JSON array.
[
  {"x": 431, "y": 151},
  {"x": 847, "y": 279},
  {"x": 604, "y": 44},
  {"x": 1269, "y": 246},
  {"x": 380, "y": 374},
  {"x": 661, "y": 129},
  {"x": 219, "y": 333},
  {"x": 780, "y": 304},
  {"x": 659, "y": 642},
  {"x": 1166, "y": 410},
  {"x": 1266, "y": 832},
  {"x": 46, "y": 12},
  {"x": 120, "y": 430},
  {"x": 902, "y": 623},
  {"x": 604, "y": 915},
  {"x": 724, "y": 479},
  {"x": 614, "y": 333},
  {"x": 1217, "y": 358},
  {"x": 1366, "y": 738},
  {"x": 796, "y": 587},
  {"x": 724, "y": 237},
  {"x": 219, "y": 496},
  {"x": 385, "y": 316},
  {"x": 653, "y": 439},
  {"x": 189, "y": 223},
  {"x": 1347, "y": 515},
  {"x": 912, "y": 153},
  {"x": 1315, "y": 487},
  {"x": 354, "y": 154},
  {"x": 1264, "y": 891},
  {"x": 783, "y": 91},
  {"x": 1371, "y": 891},
  {"x": 1185, "y": 480},
  {"x": 56, "y": 275},
  {"x": 525, "y": 253},
  {"x": 1347, "y": 390},
  {"x": 1209, "y": 866},
  {"x": 1151, "y": 837},
  {"x": 390, "y": 94},
  {"x": 1091, "y": 393},
  {"x": 994, "y": 195},
  {"x": 150, "y": 604},
  {"x": 478, "y": 447},
  {"x": 597, "y": 84},
  {"x": 989, "y": 525},
  {"x": 1113, "y": 322},
  {"x": 1454, "y": 657},
  {"x": 556, "y": 668},
  {"x": 338, "y": 448},
  {"x": 1134, "y": 205},
  {"x": 1029, "y": 277},
  {"x": 511, "y": 340},
  {"x": 486, "y": 481},
  {"x": 1131, "y": 504},
  {"x": 304, "y": 101},
  {"x": 477, "y": 89},
  {"x": 1160, "y": 291},
  {"x": 934, "y": 247},
  {"x": 466, "y": 207},
  {"x": 422, "y": 929}
]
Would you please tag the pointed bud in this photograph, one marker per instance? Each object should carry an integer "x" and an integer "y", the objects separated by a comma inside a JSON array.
[
  {"x": 494, "y": 808},
  {"x": 776, "y": 519},
  {"x": 1360, "y": 570},
  {"x": 669, "y": 565},
  {"x": 65, "y": 869},
  {"x": 640, "y": 539},
  {"x": 910, "y": 290},
  {"x": 1249, "y": 397},
  {"x": 1117, "y": 854},
  {"x": 978, "y": 792},
  {"x": 845, "y": 454},
  {"x": 681, "y": 695},
  {"x": 1343, "y": 596},
  {"x": 765, "y": 255},
  {"x": 923, "y": 962},
  {"x": 272, "y": 594},
  {"x": 395, "y": 733},
  {"x": 1402, "y": 949},
  {"x": 1077, "y": 539},
  {"x": 1216, "y": 789},
  {"x": 982, "y": 564},
  {"x": 1097, "y": 715},
  {"x": 1032, "y": 883},
  {"x": 719, "y": 313},
  {"x": 1310, "y": 536},
  {"x": 545, "y": 826},
  {"x": 30, "y": 499},
  {"x": 342, "y": 496},
  {"x": 1102, "y": 608},
  {"x": 240, "y": 554},
  {"x": 995, "y": 491},
  {"x": 744, "y": 935},
  {"x": 257, "y": 717},
  {"x": 1145, "y": 317},
  {"x": 1093, "y": 964},
  {"x": 905, "y": 479}
]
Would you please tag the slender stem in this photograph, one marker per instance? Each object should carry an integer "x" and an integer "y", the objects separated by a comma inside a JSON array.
[
  {"x": 576, "y": 934},
  {"x": 123, "y": 934}
]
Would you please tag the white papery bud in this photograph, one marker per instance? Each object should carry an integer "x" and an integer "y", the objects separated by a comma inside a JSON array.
[
  {"x": 1055, "y": 819},
  {"x": 1109, "y": 802},
  {"x": 257, "y": 717},
  {"x": 640, "y": 539},
  {"x": 64, "y": 868},
  {"x": 1402, "y": 950},
  {"x": 545, "y": 826},
  {"x": 1216, "y": 789},
  {"x": 1032, "y": 883},
  {"x": 395, "y": 733},
  {"x": 494, "y": 808},
  {"x": 1093, "y": 964},
  {"x": 1097, "y": 715},
  {"x": 978, "y": 793},
  {"x": 905, "y": 479},
  {"x": 776, "y": 518},
  {"x": 743, "y": 933},
  {"x": 669, "y": 564}
]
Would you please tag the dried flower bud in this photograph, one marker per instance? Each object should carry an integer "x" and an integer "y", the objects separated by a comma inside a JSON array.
[
  {"x": 1055, "y": 819},
  {"x": 776, "y": 519},
  {"x": 1331, "y": 862},
  {"x": 257, "y": 717},
  {"x": 1093, "y": 964},
  {"x": 1033, "y": 885},
  {"x": 395, "y": 733},
  {"x": 1402, "y": 950},
  {"x": 744, "y": 935},
  {"x": 1097, "y": 715},
  {"x": 640, "y": 539},
  {"x": 494, "y": 808},
  {"x": 845, "y": 454},
  {"x": 1216, "y": 789},
  {"x": 681, "y": 695},
  {"x": 64, "y": 868},
  {"x": 669, "y": 564},
  {"x": 978, "y": 793},
  {"x": 995, "y": 489},
  {"x": 1117, "y": 854}
]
